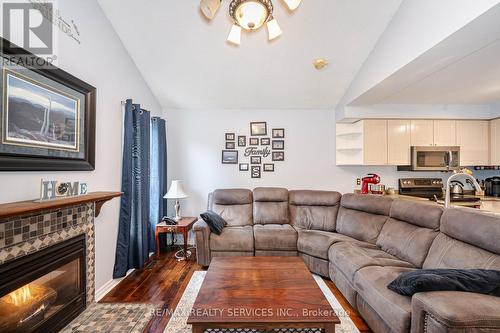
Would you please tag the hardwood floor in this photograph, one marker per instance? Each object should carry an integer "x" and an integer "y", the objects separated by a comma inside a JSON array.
[{"x": 164, "y": 281}]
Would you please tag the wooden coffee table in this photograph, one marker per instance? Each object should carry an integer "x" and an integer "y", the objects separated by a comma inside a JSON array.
[{"x": 260, "y": 293}]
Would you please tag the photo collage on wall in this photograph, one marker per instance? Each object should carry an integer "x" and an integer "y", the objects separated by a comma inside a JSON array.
[{"x": 257, "y": 152}]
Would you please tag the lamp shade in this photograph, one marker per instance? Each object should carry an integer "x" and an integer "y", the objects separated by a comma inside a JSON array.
[
  {"x": 273, "y": 29},
  {"x": 176, "y": 191},
  {"x": 292, "y": 4},
  {"x": 209, "y": 8}
]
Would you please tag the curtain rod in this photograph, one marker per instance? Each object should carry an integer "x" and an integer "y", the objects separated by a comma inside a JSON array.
[{"x": 125, "y": 102}]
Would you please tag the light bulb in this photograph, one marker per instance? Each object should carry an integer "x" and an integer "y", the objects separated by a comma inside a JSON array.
[
  {"x": 235, "y": 35},
  {"x": 292, "y": 4},
  {"x": 273, "y": 29}
]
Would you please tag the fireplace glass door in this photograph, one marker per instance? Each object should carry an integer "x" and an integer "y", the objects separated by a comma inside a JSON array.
[{"x": 51, "y": 295}]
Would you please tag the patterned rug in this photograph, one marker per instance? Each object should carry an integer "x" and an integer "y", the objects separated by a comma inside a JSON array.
[
  {"x": 177, "y": 323},
  {"x": 112, "y": 317}
]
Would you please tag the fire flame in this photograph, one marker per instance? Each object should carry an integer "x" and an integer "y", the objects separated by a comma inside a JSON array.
[{"x": 20, "y": 296}]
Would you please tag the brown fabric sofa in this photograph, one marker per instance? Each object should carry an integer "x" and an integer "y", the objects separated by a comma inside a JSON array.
[{"x": 362, "y": 243}]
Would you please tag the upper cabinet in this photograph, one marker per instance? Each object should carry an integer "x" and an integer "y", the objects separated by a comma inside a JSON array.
[
  {"x": 474, "y": 141},
  {"x": 375, "y": 142},
  {"x": 495, "y": 142},
  {"x": 398, "y": 142},
  {"x": 362, "y": 143},
  {"x": 445, "y": 132},
  {"x": 422, "y": 133}
]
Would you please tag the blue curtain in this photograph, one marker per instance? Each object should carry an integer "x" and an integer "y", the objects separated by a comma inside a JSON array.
[
  {"x": 159, "y": 185},
  {"x": 134, "y": 231}
]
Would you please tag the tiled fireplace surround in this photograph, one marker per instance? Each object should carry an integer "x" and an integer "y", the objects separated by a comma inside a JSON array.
[{"x": 25, "y": 234}]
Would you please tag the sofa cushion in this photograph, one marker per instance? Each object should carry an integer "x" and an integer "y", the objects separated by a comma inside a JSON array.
[
  {"x": 406, "y": 241},
  {"x": 447, "y": 252},
  {"x": 350, "y": 258},
  {"x": 316, "y": 243},
  {"x": 473, "y": 227},
  {"x": 314, "y": 210},
  {"x": 373, "y": 204},
  {"x": 275, "y": 237},
  {"x": 235, "y": 239},
  {"x": 425, "y": 215},
  {"x": 371, "y": 284},
  {"x": 270, "y": 205},
  {"x": 233, "y": 205}
]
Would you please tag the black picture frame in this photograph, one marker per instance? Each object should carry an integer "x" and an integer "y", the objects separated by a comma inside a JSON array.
[
  {"x": 244, "y": 167},
  {"x": 265, "y": 142},
  {"x": 231, "y": 145},
  {"x": 229, "y": 157},
  {"x": 258, "y": 128},
  {"x": 242, "y": 141},
  {"x": 278, "y": 156},
  {"x": 278, "y": 145},
  {"x": 268, "y": 167},
  {"x": 254, "y": 142},
  {"x": 27, "y": 162},
  {"x": 256, "y": 172},
  {"x": 278, "y": 133},
  {"x": 230, "y": 136},
  {"x": 255, "y": 159}
]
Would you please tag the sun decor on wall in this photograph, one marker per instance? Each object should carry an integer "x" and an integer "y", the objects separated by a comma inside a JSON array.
[{"x": 248, "y": 15}]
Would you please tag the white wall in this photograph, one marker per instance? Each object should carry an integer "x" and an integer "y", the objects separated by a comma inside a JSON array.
[
  {"x": 196, "y": 139},
  {"x": 102, "y": 61},
  {"x": 417, "y": 26}
]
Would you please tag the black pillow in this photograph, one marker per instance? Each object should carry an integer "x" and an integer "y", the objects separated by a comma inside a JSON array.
[
  {"x": 479, "y": 281},
  {"x": 215, "y": 222}
]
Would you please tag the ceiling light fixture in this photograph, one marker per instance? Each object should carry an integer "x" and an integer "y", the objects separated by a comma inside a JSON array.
[{"x": 248, "y": 15}]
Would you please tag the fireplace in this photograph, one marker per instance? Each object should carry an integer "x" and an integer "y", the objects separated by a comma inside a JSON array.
[{"x": 44, "y": 291}]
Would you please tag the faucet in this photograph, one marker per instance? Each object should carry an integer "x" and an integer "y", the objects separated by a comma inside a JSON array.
[{"x": 472, "y": 180}]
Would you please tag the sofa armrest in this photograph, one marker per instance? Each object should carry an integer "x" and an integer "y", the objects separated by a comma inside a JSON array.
[
  {"x": 453, "y": 311},
  {"x": 202, "y": 236}
]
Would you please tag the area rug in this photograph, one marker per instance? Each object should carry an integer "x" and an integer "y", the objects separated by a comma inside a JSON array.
[
  {"x": 112, "y": 317},
  {"x": 177, "y": 323}
]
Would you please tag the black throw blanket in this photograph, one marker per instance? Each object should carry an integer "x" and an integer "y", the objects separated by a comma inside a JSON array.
[{"x": 479, "y": 281}]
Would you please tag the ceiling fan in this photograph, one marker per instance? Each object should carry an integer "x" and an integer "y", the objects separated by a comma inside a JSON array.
[{"x": 248, "y": 15}]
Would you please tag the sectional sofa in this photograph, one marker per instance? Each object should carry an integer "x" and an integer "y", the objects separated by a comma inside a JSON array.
[{"x": 362, "y": 243}]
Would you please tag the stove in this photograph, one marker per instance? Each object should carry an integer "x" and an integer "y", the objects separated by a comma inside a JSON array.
[{"x": 430, "y": 188}]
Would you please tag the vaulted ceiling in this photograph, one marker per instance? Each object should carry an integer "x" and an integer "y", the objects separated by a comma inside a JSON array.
[{"x": 188, "y": 64}]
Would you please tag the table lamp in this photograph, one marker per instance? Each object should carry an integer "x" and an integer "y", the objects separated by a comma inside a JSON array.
[{"x": 176, "y": 192}]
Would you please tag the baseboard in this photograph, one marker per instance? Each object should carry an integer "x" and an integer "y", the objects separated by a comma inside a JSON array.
[{"x": 108, "y": 286}]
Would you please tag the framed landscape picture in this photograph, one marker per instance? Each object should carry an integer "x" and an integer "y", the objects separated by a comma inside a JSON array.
[
  {"x": 229, "y": 157},
  {"x": 258, "y": 129},
  {"x": 278, "y": 144},
  {"x": 47, "y": 117}
]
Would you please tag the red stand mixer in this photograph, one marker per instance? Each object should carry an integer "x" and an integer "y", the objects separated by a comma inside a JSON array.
[{"x": 371, "y": 178}]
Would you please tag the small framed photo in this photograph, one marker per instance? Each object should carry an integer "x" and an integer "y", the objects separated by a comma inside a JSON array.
[
  {"x": 244, "y": 167},
  {"x": 254, "y": 141},
  {"x": 258, "y": 129},
  {"x": 230, "y": 136},
  {"x": 255, "y": 160},
  {"x": 278, "y": 133},
  {"x": 255, "y": 171},
  {"x": 278, "y": 144},
  {"x": 229, "y": 157},
  {"x": 242, "y": 141},
  {"x": 230, "y": 145},
  {"x": 265, "y": 142},
  {"x": 278, "y": 156},
  {"x": 268, "y": 167}
]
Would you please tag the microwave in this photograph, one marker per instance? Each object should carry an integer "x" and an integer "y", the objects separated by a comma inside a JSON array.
[{"x": 435, "y": 158}]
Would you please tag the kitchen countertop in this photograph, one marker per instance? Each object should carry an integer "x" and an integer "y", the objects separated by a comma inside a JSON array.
[{"x": 488, "y": 204}]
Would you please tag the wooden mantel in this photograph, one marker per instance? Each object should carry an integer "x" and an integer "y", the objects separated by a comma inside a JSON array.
[{"x": 31, "y": 206}]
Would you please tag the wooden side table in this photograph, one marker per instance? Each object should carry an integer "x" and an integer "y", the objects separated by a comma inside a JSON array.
[{"x": 182, "y": 227}]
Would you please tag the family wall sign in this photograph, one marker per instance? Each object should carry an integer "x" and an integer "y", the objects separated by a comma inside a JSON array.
[{"x": 257, "y": 152}]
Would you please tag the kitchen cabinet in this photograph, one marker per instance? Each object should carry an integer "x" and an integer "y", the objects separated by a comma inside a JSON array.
[
  {"x": 398, "y": 142},
  {"x": 445, "y": 133},
  {"x": 375, "y": 142},
  {"x": 422, "y": 133},
  {"x": 495, "y": 142},
  {"x": 474, "y": 141}
]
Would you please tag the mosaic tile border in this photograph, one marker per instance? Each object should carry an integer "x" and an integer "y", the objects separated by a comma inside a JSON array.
[{"x": 26, "y": 234}]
